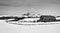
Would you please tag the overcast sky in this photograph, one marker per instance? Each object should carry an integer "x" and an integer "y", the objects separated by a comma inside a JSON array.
[
  {"x": 32, "y": 6},
  {"x": 27, "y": 2}
]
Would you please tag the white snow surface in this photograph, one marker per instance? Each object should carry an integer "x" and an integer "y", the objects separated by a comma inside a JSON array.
[{"x": 12, "y": 28}]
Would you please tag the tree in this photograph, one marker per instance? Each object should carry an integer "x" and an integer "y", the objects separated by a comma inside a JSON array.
[{"x": 26, "y": 15}]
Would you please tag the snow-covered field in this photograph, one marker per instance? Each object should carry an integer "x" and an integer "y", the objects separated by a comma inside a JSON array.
[
  {"x": 12, "y": 28},
  {"x": 32, "y": 23}
]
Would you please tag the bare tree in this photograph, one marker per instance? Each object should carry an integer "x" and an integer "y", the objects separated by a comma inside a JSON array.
[{"x": 27, "y": 14}]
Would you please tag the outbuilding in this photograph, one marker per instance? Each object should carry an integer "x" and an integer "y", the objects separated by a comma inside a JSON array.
[{"x": 47, "y": 18}]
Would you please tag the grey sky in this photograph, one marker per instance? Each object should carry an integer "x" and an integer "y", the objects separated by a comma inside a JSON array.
[
  {"x": 27, "y": 2},
  {"x": 39, "y": 6}
]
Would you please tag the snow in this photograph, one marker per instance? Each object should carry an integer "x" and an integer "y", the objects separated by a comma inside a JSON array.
[
  {"x": 58, "y": 18},
  {"x": 31, "y": 19},
  {"x": 11, "y": 28}
]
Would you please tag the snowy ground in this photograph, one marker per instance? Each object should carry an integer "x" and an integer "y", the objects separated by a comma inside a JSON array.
[
  {"x": 12, "y": 28},
  {"x": 31, "y": 23}
]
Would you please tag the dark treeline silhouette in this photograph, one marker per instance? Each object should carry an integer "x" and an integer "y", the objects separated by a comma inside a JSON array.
[{"x": 42, "y": 18}]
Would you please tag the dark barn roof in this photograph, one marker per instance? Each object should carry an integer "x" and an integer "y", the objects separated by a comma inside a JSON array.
[{"x": 47, "y": 18}]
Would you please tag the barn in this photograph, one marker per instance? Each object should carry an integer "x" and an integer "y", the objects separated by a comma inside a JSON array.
[{"x": 47, "y": 18}]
